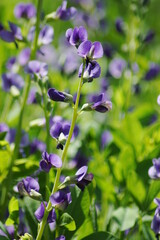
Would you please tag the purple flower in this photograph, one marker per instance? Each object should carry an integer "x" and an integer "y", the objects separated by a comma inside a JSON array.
[
  {"x": 119, "y": 25},
  {"x": 39, "y": 213},
  {"x": 46, "y": 35},
  {"x": 11, "y": 64},
  {"x": 59, "y": 96},
  {"x": 154, "y": 171},
  {"x": 50, "y": 160},
  {"x": 29, "y": 187},
  {"x": 65, "y": 13},
  {"x": 16, "y": 31},
  {"x": 105, "y": 139},
  {"x": 60, "y": 130},
  {"x": 61, "y": 199},
  {"x": 11, "y": 79},
  {"x": 10, "y": 36},
  {"x": 101, "y": 104},
  {"x": 3, "y": 128},
  {"x": 76, "y": 36},
  {"x": 90, "y": 50},
  {"x": 155, "y": 225},
  {"x": 92, "y": 70},
  {"x": 83, "y": 179},
  {"x": 62, "y": 237},
  {"x": 37, "y": 145},
  {"x": 25, "y": 10},
  {"x": 149, "y": 36},
  {"x": 38, "y": 68},
  {"x": 116, "y": 67},
  {"x": 153, "y": 72},
  {"x": 24, "y": 56}
]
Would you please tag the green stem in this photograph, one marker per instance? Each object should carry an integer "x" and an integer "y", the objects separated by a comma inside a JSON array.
[
  {"x": 25, "y": 97},
  {"x": 6, "y": 108},
  {"x": 55, "y": 187}
]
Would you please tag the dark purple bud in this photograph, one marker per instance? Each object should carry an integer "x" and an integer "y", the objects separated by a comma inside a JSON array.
[
  {"x": 81, "y": 173},
  {"x": 16, "y": 31},
  {"x": 90, "y": 50},
  {"x": 50, "y": 160},
  {"x": 24, "y": 56},
  {"x": 149, "y": 36},
  {"x": 119, "y": 25},
  {"x": 154, "y": 171},
  {"x": 46, "y": 35},
  {"x": 25, "y": 10},
  {"x": 39, "y": 213},
  {"x": 87, "y": 179},
  {"x": 11, "y": 79},
  {"x": 116, "y": 67},
  {"x": 61, "y": 199},
  {"x": 11, "y": 64},
  {"x": 65, "y": 13},
  {"x": 92, "y": 70},
  {"x": 62, "y": 237},
  {"x": 152, "y": 72},
  {"x": 7, "y": 36},
  {"x": 59, "y": 96},
  {"x": 38, "y": 68},
  {"x": 76, "y": 36},
  {"x": 155, "y": 225},
  {"x": 102, "y": 106}
]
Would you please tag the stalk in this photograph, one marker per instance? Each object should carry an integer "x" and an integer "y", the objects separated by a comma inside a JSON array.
[{"x": 55, "y": 187}]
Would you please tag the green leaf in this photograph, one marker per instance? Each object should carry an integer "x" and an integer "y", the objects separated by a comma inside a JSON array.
[
  {"x": 99, "y": 236},
  {"x": 13, "y": 209},
  {"x": 67, "y": 221},
  {"x": 125, "y": 217},
  {"x": 136, "y": 188},
  {"x": 151, "y": 194}
]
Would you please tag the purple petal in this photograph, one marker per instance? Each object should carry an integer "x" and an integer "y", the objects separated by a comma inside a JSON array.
[
  {"x": 98, "y": 50},
  {"x": 69, "y": 33},
  {"x": 83, "y": 35},
  {"x": 7, "y": 36},
  {"x": 24, "y": 56},
  {"x": 56, "y": 95},
  {"x": 39, "y": 213},
  {"x": 56, "y": 129},
  {"x": 16, "y": 31},
  {"x": 60, "y": 238},
  {"x": 84, "y": 48},
  {"x": 45, "y": 166},
  {"x": 55, "y": 160},
  {"x": 46, "y": 35},
  {"x": 81, "y": 173}
]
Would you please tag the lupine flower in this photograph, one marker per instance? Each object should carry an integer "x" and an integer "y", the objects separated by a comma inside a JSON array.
[
  {"x": 63, "y": 12},
  {"x": 153, "y": 72},
  {"x": 149, "y": 36},
  {"x": 38, "y": 68},
  {"x": 155, "y": 225},
  {"x": 11, "y": 36},
  {"x": 59, "y": 96},
  {"x": 62, "y": 237},
  {"x": 11, "y": 64},
  {"x": 76, "y": 36},
  {"x": 39, "y": 213},
  {"x": 46, "y": 35},
  {"x": 60, "y": 131},
  {"x": 24, "y": 56},
  {"x": 29, "y": 187},
  {"x": 11, "y": 79},
  {"x": 50, "y": 160},
  {"x": 3, "y": 128},
  {"x": 25, "y": 10},
  {"x": 108, "y": 50},
  {"x": 83, "y": 179},
  {"x": 37, "y": 145},
  {"x": 105, "y": 139},
  {"x": 154, "y": 171},
  {"x": 90, "y": 50},
  {"x": 119, "y": 25},
  {"x": 99, "y": 104},
  {"x": 92, "y": 70},
  {"x": 61, "y": 199},
  {"x": 116, "y": 67}
]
